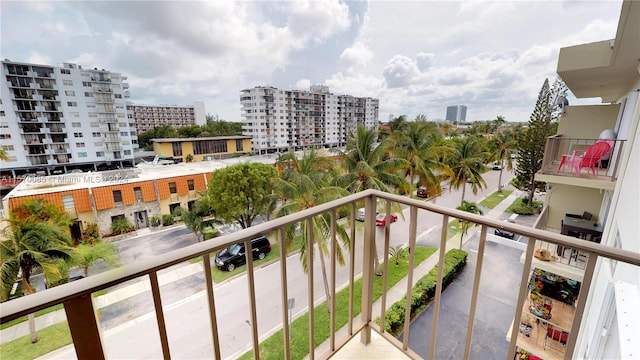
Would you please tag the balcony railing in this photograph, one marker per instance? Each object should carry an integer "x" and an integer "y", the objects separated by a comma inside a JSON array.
[
  {"x": 558, "y": 150},
  {"x": 88, "y": 340}
]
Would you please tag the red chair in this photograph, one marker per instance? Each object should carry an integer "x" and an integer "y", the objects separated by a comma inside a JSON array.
[
  {"x": 592, "y": 156},
  {"x": 555, "y": 334}
]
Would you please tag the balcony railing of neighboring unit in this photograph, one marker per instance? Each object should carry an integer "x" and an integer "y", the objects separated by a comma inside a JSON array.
[
  {"x": 88, "y": 341},
  {"x": 559, "y": 149}
]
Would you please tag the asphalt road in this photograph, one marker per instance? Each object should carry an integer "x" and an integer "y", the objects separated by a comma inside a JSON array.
[{"x": 185, "y": 303}]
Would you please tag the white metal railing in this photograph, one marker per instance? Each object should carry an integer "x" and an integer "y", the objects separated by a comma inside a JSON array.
[{"x": 86, "y": 334}]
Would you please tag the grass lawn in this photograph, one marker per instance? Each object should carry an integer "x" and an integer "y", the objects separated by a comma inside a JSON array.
[
  {"x": 42, "y": 312},
  {"x": 519, "y": 208},
  {"x": 51, "y": 338},
  {"x": 272, "y": 348},
  {"x": 494, "y": 199}
]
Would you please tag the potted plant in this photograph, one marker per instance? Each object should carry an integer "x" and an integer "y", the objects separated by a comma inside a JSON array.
[{"x": 154, "y": 221}]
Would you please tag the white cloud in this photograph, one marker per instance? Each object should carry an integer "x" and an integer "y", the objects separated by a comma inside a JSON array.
[
  {"x": 425, "y": 60},
  {"x": 303, "y": 84},
  {"x": 356, "y": 57},
  {"x": 37, "y": 58},
  {"x": 400, "y": 71}
]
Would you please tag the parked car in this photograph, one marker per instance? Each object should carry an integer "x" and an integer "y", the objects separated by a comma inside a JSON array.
[
  {"x": 497, "y": 166},
  {"x": 234, "y": 256},
  {"x": 381, "y": 219},
  {"x": 360, "y": 214},
  {"x": 505, "y": 233},
  {"x": 422, "y": 192}
]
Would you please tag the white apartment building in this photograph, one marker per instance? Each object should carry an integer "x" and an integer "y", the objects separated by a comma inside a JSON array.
[
  {"x": 281, "y": 119},
  {"x": 147, "y": 117},
  {"x": 57, "y": 119}
]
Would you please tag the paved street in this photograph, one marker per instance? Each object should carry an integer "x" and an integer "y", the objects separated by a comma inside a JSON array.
[{"x": 184, "y": 302}]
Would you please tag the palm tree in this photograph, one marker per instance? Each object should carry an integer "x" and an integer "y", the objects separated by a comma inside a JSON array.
[
  {"x": 303, "y": 185},
  {"x": 398, "y": 253},
  {"x": 34, "y": 242},
  {"x": 419, "y": 146},
  {"x": 89, "y": 254},
  {"x": 466, "y": 163},
  {"x": 502, "y": 145},
  {"x": 3, "y": 155},
  {"x": 469, "y": 207},
  {"x": 367, "y": 165}
]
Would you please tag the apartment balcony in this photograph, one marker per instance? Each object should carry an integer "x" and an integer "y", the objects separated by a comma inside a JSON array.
[
  {"x": 557, "y": 167},
  {"x": 361, "y": 337}
]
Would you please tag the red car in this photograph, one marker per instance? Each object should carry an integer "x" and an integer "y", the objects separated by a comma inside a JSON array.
[{"x": 381, "y": 219}]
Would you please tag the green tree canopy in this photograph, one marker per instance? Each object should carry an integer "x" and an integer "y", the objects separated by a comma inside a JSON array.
[
  {"x": 531, "y": 143},
  {"x": 466, "y": 162},
  {"x": 241, "y": 192}
]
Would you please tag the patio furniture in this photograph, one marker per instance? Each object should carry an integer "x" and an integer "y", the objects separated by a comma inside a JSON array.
[
  {"x": 591, "y": 156},
  {"x": 555, "y": 334}
]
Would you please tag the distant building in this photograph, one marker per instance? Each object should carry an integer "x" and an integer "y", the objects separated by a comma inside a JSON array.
[
  {"x": 278, "y": 119},
  {"x": 456, "y": 113},
  {"x": 204, "y": 148},
  {"x": 56, "y": 119},
  {"x": 146, "y": 117}
]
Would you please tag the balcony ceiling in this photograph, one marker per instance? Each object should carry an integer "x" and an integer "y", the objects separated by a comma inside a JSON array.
[{"x": 609, "y": 68}]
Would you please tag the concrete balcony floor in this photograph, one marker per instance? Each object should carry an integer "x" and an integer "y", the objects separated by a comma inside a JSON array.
[{"x": 379, "y": 348}]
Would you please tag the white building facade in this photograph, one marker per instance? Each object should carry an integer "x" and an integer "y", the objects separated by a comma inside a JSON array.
[
  {"x": 147, "y": 117},
  {"x": 56, "y": 119},
  {"x": 281, "y": 119}
]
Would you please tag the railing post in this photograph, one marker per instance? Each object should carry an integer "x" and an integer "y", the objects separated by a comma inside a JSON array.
[
  {"x": 367, "y": 267},
  {"x": 83, "y": 325}
]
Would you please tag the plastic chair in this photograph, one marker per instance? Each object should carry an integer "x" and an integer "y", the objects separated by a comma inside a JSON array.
[
  {"x": 592, "y": 156},
  {"x": 555, "y": 334}
]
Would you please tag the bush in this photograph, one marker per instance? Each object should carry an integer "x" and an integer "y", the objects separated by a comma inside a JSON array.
[
  {"x": 167, "y": 219},
  {"x": 121, "y": 225},
  {"x": 91, "y": 234},
  {"x": 424, "y": 291},
  {"x": 154, "y": 221}
]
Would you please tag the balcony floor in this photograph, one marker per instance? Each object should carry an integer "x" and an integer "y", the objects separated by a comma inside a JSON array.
[{"x": 379, "y": 348}]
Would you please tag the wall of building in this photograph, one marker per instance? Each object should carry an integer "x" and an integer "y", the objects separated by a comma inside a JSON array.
[
  {"x": 563, "y": 199},
  {"x": 587, "y": 121}
]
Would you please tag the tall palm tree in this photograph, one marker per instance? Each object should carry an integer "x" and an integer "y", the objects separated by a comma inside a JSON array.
[
  {"x": 89, "y": 254},
  {"x": 3, "y": 155},
  {"x": 367, "y": 165},
  {"x": 502, "y": 145},
  {"x": 467, "y": 162},
  {"x": 33, "y": 243},
  {"x": 469, "y": 207},
  {"x": 304, "y": 184},
  {"x": 419, "y": 146}
]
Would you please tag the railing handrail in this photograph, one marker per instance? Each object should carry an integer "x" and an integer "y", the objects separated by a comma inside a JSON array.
[{"x": 28, "y": 304}]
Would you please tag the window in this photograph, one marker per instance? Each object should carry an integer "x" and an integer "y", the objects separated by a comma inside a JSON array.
[
  {"x": 4, "y": 124},
  {"x": 70, "y": 93},
  {"x": 5, "y": 136},
  {"x": 137, "y": 192},
  {"x": 94, "y": 124},
  {"x": 76, "y": 124},
  {"x": 127, "y": 152},
  {"x": 239, "y": 145},
  {"x": 117, "y": 96},
  {"x": 177, "y": 148},
  {"x": 86, "y": 83},
  {"x": 97, "y": 143},
  {"x": 65, "y": 71},
  {"x": 124, "y": 133},
  {"x": 96, "y": 134},
  {"x": 7, "y": 147},
  {"x": 99, "y": 153},
  {"x": 117, "y": 196},
  {"x": 191, "y": 185},
  {"x": 88, "y": 94},
  {"x": 67, "y": 82},
  {"x": 72, "y": 103},
  {"x": 121, "y": 124},
  {"x": 80, "y": 144},
  {"x": 172, "y": 188},
  {"x": 78, "y": 135},
  {"x": 74, "y": 114},
  {"x": 82, "y": 154}
]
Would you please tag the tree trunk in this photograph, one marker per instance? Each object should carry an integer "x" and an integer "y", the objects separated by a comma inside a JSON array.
[
  {"x": 411, "y": 179},
  {"x": 464, "y": 187},
  {"x": 500, "y": 181},
  {"x": 86, "y": 271},
  {"x": 28, "y": 290},
  {"x": 532, "y": 190},
  {"x": 324, "y": 279}
]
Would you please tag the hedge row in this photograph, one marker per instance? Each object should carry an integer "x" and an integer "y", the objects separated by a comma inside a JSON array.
[{"x": 424, "y": 291}]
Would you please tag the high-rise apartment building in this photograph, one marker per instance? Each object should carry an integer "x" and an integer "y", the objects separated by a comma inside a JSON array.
[
  {"x": 281, "y": 119},
  {"x": 56, "y": 119},
  {"x": 456, "y": 113},
  {"x": 147, "y": 117}
]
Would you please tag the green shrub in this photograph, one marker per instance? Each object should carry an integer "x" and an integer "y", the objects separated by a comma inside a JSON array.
[
  {"x": 154, "y": 221},
  {"x": 121, "y": 225},
  {"x": 424, "y": 291},
  {"x": 167, "y": 219},
  {"x": 91, "y": 234}
]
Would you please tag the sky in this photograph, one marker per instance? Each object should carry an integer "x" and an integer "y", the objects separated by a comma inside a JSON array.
[{"x": 416, "y": 57}]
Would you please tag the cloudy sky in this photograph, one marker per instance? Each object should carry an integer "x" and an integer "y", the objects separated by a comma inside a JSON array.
[{"x": 417, "y": 57}]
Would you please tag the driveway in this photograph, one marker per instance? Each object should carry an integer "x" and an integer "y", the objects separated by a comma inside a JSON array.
[{"x": 498, "y": 294}]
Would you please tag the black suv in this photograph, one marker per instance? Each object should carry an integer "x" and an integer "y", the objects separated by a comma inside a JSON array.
[{"x": 233, "y": 256}]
